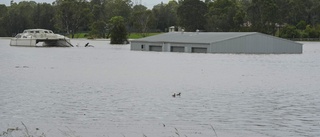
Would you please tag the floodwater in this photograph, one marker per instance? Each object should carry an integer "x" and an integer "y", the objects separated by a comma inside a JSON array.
[{"x": 111, "y": 91}]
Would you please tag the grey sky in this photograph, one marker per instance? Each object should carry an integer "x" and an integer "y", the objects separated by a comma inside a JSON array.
[{"x": 147, "y": 3}]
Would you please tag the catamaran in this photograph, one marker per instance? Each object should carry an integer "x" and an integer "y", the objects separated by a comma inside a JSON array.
[{"x": 40, "y": 38}]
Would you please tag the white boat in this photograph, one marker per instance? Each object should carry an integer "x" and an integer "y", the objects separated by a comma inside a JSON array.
[{"x": 41, "y": 38}]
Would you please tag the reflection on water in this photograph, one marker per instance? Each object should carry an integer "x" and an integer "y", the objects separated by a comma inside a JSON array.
[{"x": 111, "y": 91}]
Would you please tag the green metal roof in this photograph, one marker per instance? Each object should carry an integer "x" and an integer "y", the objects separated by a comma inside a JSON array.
[{"x": 193, "y": 37}]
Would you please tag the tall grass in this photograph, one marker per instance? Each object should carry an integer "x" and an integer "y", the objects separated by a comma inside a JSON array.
[
  {"x": 214, "y": 130},
  {"x": 22, "y": 132},
  {"x": 26, "y": 132},
  {"x": 69, "y": 133}
]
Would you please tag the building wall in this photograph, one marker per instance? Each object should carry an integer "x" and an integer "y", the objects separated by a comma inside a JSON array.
[
  {"x": 188, "y": 47},
  {"x": 248, "y": 44},
  {"x": 166, "y": 47},
  {"x": 145, "y": 46},
  {"x": 257, "y": 44}
]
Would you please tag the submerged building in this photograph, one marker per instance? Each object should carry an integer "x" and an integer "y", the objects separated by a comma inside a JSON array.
[{"x": 217, "y": 42}]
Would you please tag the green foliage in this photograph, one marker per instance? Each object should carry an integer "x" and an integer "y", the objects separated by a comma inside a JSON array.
[
  {"x": 142, "y": 20},
  {"x": 138, "y": 35},
  {"x": 20, "y": 16},
  {"x": 191, "y": 14},
  {"x": 98, "y": 29},
  {"x": 263, "y": 15},
  {"x": 303, "y": 34},
  {"x": 287, "y": 18},
  {"x": 71, "y": 15},
  {"x": 130, "y": 35},
  {"x": 224, "y": 15},
  {"x": 97, "y": 10},
  {"x": 3, "y": 11},
  {"x": 312, "y": 32},
  {"x": 165, "y": 15},
  {"x": 289, "y": 31},
  {"x": 301, "y": 25},
  {"x": 118, "y": 30},
  {"x": 118, "y": 8}
]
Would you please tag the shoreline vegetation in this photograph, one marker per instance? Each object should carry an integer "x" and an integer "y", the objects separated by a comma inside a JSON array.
[
  {"x": 130, "y": 36},
  {"x": 27, "y": 132},
  {"x": 139, "y": 35},
  {"x": 289, "y": 19}
]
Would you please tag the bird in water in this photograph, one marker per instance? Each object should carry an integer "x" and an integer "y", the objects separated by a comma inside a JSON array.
[
  {"x": 87, "y": 45},
  {"x": 179, "y": 94},
  {"x": 174, "y": 95}
]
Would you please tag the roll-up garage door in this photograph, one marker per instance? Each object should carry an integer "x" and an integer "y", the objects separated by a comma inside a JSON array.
[
  {"x": 155, "y": 48},
  {"x": 177, "y": 49},
  {"x": 199, "y": 50}
]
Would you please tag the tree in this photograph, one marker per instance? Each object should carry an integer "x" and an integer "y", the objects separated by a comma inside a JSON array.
[
  {"x": 165, "y": 15},
  {"x": 224, "y": 15},
  {"x": 263, "y": 15},
  {"x": 312, "y": 32},
  {"x": 118, "y": 30},
  {"x": 3, "y": 14},
  {"x": 20, "y": 17},
  {"x": 43, "y": 16},
  {"x": 142, "y": 19},
  {"x": 191, "y": 15},
  {"x": 301, "y": 25},
  {"x": 289, "y": 31},
  {"x": 160, "y": 14},
  {"x": 97, "y": 10},
  {"x": 98, "y": 29},
  {"x": 71, "y": 15},
  {"x": 118, "y": 8},
  {"x": 314, "y": 13}
]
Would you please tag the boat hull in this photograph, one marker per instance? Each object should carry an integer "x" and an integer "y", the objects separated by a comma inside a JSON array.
[
  {"x": 40, "y": 38},
  {"x": 40, "y": 42}
]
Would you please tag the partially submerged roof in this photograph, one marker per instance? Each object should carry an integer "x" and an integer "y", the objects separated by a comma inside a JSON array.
[
  {"x": 217, "y": 42},
  {"x": 194, "y": 37}
]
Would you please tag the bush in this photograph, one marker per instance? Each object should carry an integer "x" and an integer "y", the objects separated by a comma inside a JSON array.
[
  {"x": 312, "y": 32},
  {"x": 289, "y": 31},
  {"x": 118, "y": 30}
]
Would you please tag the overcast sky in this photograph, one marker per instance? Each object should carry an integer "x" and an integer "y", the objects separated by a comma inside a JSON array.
[{"x": 147, "y": 3}]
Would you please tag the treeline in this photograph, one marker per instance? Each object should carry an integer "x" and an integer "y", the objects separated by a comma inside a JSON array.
[{"x": 283, "y": 18}]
